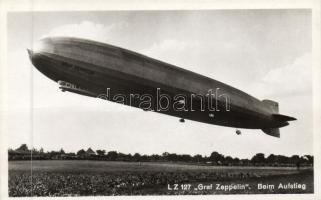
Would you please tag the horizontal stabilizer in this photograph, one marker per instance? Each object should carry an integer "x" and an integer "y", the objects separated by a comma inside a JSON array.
[
  {"x": 275, "y": 132},
  {"x": 283, "y": 117}
]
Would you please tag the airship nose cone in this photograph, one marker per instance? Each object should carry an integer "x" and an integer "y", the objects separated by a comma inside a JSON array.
[
  {"x": 31, "y": 55},
  {"x": 38, "y": 48},
  {"x": 30, "y": 52}
]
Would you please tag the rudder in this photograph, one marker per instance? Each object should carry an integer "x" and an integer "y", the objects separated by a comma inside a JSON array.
[{"x": 275, "y": 132}]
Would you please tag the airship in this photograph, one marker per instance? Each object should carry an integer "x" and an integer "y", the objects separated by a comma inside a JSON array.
[{"x": 123, "y": 76}]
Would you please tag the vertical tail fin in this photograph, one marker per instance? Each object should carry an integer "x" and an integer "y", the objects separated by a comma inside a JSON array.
[
  {"x": 272, "y": 105},
  {"x": 275, "y": 132},
  {"x": 280, "y": 120}
]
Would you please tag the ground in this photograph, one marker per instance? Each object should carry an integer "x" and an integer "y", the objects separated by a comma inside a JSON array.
[{"x": 84, "y": 178}]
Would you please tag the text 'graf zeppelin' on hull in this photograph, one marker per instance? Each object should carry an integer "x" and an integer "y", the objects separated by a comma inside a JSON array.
[{"x": 92, "y": 68}]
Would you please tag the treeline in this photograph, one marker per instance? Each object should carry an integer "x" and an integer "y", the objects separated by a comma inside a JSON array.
[{"x": 259, "y": 159}]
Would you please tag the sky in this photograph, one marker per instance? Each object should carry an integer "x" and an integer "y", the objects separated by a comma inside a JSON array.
[{"x": 266, "y": 53}]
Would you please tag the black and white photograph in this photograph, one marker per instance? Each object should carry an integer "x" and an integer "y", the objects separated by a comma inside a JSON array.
[{"x": 159, "y": 102}]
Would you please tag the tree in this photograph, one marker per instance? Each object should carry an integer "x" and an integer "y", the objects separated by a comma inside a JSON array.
[
  {"x": 155, "y": 157},
  {"x": 271, "y": 159},
  {"x": 121, "y": 156},
  {"x": 295, "y": 159},
  {"x": 62, "y": 151},
  {"x": 258, "y": 158},
  {"x": 310, "y": 158},
  {"x": 282, "y": 159},
  {"x": 245, "y": 162},
  {"x": 100, "y": 152},
  {"x": 198, "y": 158},
  {"x": 34, "y": 151},
  {"x": 172, "y": 157},
  {"x": 216, "y": 157},
  {"x": 228, "y": 160},
  {"x": 236, "y": 161},
  {"x": 165, "y": 156},
  {"x": 144, "y": 158},
  {"x": 112, "y": 155},
  {"x": 137, "y": 157},
  {"x": 185, "y": 158}
]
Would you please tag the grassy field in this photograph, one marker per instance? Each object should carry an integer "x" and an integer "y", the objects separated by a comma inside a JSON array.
[{"x": 83, "y": 178}]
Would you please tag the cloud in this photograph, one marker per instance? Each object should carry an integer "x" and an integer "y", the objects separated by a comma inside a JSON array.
[
  {"x": 292, "y": 79},
  {"x": 87, "y": 30},
  {"x": 172, "y": 51},
  {"x": 169, "y": 45}
]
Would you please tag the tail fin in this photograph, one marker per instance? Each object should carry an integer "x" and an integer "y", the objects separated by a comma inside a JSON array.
[
  {"x": 275, "y": 132},
  {"x": 282, "y": 120},
  {"x": 272, "y": 105},
  {"x": 283, "y": 117}
]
